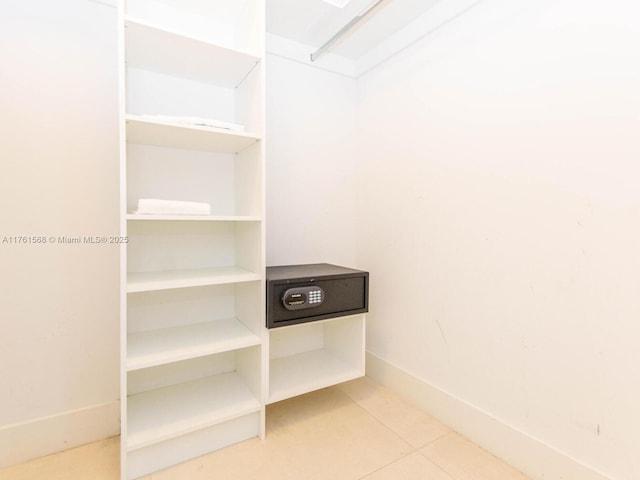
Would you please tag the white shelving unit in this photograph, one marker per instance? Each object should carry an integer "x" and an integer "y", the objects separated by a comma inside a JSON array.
[
  {"x": 193, "y": 337},
  {"x": 310, "y": 356}
]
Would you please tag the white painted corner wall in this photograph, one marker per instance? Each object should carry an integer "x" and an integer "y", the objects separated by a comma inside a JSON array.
[
  {"x": 310, "y": 147},
  {"x": 58, "y": 178},
  {"x": 476, "y": 187},
  {"x": 499, "y": 217}
]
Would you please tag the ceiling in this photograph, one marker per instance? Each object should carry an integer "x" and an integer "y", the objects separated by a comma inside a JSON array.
[{"x": 315, "y": 21}]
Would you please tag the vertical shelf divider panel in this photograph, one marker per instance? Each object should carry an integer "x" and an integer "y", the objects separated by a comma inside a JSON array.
[
  {"x": 194, "y": 357},
  {"x": 122, "y": 134}
]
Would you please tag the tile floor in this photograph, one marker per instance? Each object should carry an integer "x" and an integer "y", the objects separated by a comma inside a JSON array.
[{"x": 356, "y": 430}]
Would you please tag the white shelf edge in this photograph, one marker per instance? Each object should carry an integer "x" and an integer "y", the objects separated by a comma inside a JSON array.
[
  {"x": 199, "y": 347},
  {"x": 144, "y": 131},
  {"x": 166, "y": 280},
  {"x": 194, "y": 218},
  {"x": 129, "y": 19},
  {"x": 194, "y": 389},
  {"x": 155, "y": 48},
  {"x": 195, "y": 428},
  {"x": 131, "y": 117}
]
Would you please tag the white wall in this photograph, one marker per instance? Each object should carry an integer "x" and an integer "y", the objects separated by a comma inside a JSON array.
[
  {"x": 58, "y": 177},
  {"x": 310, "y": 164},
  {"x": 499, "y": 217},
  {"x": 497, "y": 176}
]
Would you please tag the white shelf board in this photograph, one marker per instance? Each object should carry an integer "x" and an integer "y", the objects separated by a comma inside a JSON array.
[
  {"x": 164, "y": 280},
  {"x": 192, "y": 137},
  {"x": 166, "y": 345},
  {"x": 168, "y": 412},
  {"x": 151, "y": 47},
  {"x": 194, "y": 218},
  {"x": 306, "y": 372}
]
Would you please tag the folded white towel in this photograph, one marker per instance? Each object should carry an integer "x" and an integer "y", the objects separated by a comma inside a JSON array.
[{"x": 149, "y": 206}]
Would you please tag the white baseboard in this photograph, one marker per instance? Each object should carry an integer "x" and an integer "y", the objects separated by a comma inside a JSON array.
[
  {"x": 24, "y": 441},
  {"x": 530, "y": 455}
]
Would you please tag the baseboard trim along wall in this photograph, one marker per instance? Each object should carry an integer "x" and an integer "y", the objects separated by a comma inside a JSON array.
[
  {"x": 530, "y": 455},
  {"x": 24, "y": 441}
]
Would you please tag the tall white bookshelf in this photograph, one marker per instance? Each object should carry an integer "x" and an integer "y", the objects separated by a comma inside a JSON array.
[{"x": 192, "y": 309}]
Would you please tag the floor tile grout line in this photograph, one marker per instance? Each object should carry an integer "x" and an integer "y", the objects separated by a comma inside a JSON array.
[
  {"x": 372, "y": 414},
  {"x": 414, "y": 449},
  {"x": 388, "y": 464},
  {"x": 450, "y": 432},
  {"x": 437, "y": 465},
  {"x": 421, "y": 409},
  {"x": 384, "y": 424},
  {"x": 402, "y": 456},
  {"x": 453, "y": 432}
]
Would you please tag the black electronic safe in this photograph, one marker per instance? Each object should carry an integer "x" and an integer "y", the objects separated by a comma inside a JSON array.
[{"x": 305, "y": 293}]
